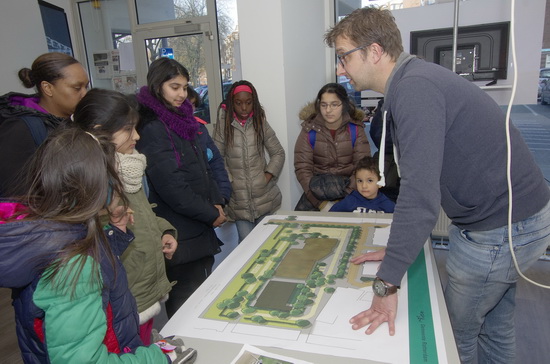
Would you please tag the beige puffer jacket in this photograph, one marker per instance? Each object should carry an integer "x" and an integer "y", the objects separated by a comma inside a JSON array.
[
  {"x": 252, "y": 197},
  {"x": 330, "y": 156}
]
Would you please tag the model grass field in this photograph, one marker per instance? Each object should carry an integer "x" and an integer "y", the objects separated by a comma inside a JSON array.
[{"x": 291, "y": 276}]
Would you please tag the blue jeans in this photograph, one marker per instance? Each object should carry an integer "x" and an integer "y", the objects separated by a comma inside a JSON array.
[
  {"x": 244, "y": 227},
  {"x": 480, "y": 293}
]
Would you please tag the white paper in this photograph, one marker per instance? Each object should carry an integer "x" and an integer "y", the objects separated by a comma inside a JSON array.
[{"x": 251, "y": 354}]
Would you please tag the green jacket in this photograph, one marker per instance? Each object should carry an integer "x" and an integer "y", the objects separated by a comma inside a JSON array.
[
  {"x": 144, "y": 260},
  {"x": 79, "y": 319}
]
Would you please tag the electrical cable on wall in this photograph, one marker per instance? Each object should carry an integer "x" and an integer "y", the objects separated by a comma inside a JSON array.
[{"x": 509, "y": 148}]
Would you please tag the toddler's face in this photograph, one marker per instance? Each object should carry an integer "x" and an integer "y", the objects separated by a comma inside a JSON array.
[{"x": 366, "y": 183}]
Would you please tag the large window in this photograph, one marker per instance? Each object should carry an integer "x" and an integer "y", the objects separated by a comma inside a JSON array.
[
  {"x": 108, "y": 43},
  {"x": 202, "y": 35},
  {"x": 151, "y": 11}
]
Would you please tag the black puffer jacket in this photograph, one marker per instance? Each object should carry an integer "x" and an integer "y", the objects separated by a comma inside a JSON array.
[
  {"x": 184, "y": 194},
  {"x": 16, "y": 142}
]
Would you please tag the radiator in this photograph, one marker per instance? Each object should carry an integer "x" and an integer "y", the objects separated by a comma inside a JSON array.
[
  {"x": 440, "y": 234},
  {"x": 441, "y": 229}
]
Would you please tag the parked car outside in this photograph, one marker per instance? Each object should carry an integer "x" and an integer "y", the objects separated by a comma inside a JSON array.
[
  {"x": 544, "y": 76},
  {"x": 545, "y": 93},
  {"x": 200, "y": 89},
  {"x": 203, "y": 111}
]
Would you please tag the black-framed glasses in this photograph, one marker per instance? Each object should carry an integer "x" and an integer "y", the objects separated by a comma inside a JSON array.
[{"x": 342, "y": 57}]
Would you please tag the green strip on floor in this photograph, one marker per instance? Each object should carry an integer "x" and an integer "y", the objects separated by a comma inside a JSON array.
[{"x": 421, "y": 328}]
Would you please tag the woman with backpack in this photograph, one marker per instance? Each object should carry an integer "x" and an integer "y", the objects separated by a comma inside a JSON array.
[
  {"x": 26, "y": 120},
  {"x": 329, "y": 146}
]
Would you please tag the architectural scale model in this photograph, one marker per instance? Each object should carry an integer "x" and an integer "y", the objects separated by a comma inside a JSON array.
[
  {"x": 290, "y": 284},
  {"x": 287, "y": 282}
]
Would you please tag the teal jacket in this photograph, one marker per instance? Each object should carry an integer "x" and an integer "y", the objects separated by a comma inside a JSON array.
[{"x": 97, "y": 323}]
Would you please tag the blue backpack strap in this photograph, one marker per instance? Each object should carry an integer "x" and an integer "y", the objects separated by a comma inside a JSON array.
[
  {"x": 145, "y": 185},
  {"x": 36, "y": 127},
  {"x": 312, "y": 135},
  {"x": 353, "y": 132}
]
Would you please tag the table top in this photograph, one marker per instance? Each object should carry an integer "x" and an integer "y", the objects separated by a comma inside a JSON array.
[{"x": 218, "y": 351}]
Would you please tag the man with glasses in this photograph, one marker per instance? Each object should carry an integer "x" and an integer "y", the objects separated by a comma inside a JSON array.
[{"x": 451, "y": 149}]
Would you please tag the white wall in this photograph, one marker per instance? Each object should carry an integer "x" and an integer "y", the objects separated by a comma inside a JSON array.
[
  {"x": 23, "y": 39},
  {"x": 283, "y": 55}
]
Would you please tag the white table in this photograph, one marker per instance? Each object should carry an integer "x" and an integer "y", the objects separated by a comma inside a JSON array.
[{"x": 214, "y": 349}]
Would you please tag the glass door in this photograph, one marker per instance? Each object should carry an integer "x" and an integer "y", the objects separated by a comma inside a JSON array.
[
  {"x": 187, "y": 50},
  {"x": 195, "y": 47},
  {"x": 122, "y": 37},
  {"x": 200, "y": 34},
  {"x": 106, "y": 33}
]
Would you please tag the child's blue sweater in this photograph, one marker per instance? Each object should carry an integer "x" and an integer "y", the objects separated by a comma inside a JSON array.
[{"x": 354, "y": 200}]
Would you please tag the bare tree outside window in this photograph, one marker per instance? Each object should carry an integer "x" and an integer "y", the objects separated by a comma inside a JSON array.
[{"x": 188, "y": 50}]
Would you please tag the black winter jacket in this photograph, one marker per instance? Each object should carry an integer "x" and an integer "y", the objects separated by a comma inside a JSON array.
[
  {"x": 16, "y": 142},
  {"x": 184, "y": 194}
]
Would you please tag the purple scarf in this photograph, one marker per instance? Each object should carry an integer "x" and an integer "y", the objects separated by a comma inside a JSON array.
[{"x": 183, "y": 123}]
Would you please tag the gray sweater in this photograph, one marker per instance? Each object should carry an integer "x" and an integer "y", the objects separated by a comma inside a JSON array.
[{"x": 450, "y": 139}]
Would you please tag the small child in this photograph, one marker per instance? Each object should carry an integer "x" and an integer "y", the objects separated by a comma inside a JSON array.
[
  {"x": 114, "y": 115},
  {"x": 366, "y": 198}
]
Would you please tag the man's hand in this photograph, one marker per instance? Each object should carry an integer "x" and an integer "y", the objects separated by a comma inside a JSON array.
[
  {"x": 169, "y": 245},
  {"x": 382, "y": 309},
  {"x": 372, "y": 256}
]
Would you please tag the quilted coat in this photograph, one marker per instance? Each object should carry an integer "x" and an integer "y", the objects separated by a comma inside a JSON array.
[
  {"x": 334, "y": 156},
  {"x": 184, "y": 194},
  {"x": 252, "y": 197}
]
